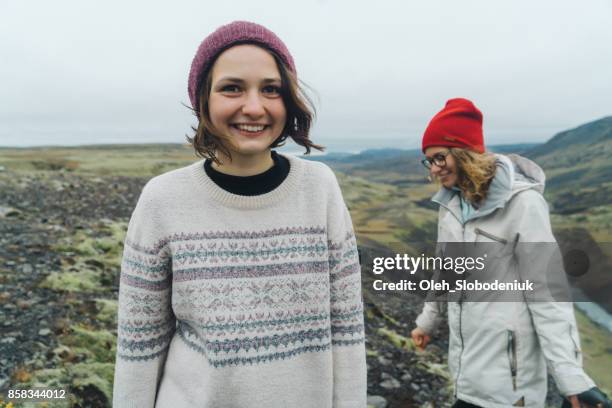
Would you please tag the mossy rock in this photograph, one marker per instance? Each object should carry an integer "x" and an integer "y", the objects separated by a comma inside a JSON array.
[
  {"x": 57, "y": 378},
  {"x": 107, "y": 311},
  {"x": 396, "y": 339},
  {"x": 72, "y": 281},
  {"x": 118, "y": 230},
  {"x": 86, "y": 246},
  {"x": 89, "y": 264},
  {"x": 106, "y": 246},
  {"x": 97, "y": 345},
  {"x": 50, "y": 377},
  {"x": 93, "y": 383},
  {"x": 374, "y": 311},
  {"x": 439, "y": 369},
  {"x": 87, "y": 385}
]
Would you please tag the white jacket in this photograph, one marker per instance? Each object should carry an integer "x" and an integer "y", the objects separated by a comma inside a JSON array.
[{"x": 499, "y": 351}]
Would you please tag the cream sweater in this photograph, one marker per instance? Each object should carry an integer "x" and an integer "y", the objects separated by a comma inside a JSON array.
[{"x": 236, "y": 301}]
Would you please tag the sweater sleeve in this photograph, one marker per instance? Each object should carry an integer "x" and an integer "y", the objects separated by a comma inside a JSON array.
[
  {"x": 347, "y": 328},
  {"x": 554, "y": 321},
  {"x": 146, "y": 323}
]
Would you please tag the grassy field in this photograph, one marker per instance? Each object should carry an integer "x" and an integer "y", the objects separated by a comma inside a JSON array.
[
  {"x": 596, "y": 346},
  {"x": 106, "y": 160}
]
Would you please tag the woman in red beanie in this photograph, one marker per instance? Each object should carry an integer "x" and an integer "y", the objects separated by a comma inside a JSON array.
[
  {"x": 240, "y": 280},
  {"x": 498, "y": 351}
]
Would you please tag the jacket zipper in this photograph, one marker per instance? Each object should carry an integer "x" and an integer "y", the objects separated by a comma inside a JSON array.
[
  {"x": 512, "y": 357},
  {"x": 462, "y": 345},
  {"x": 460, "y": 321},
  {"x": 460, "y": 303}
]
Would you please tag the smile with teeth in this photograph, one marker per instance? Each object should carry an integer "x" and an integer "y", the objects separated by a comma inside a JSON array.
[{"x": 249, "y": 128}]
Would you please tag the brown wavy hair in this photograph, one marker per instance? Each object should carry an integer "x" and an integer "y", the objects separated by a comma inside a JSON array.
[
  {"x": 207, "y": 140},
  {"x": 475, "y": 172}
]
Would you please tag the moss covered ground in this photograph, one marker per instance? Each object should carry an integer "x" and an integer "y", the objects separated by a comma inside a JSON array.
[{"x": 386, "y": 213}]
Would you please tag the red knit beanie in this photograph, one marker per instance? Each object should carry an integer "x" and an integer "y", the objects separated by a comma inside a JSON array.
[
  {"x": 237, "y": 32},
  {"x": 459, "y": 124}
]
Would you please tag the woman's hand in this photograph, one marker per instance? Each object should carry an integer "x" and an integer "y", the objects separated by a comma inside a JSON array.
[
  {"x": 573, "y": 399},
  {"x": 420, "y": 338}
]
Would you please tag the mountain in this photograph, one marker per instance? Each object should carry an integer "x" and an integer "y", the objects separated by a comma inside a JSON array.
[
  {"x": 587, "y": 137},
  {"x": 578, "y": 167},
  {"x": 389, "y": 166}
]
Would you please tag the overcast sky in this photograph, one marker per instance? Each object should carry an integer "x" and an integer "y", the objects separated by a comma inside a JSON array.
[{"x": 89, "y": 72}]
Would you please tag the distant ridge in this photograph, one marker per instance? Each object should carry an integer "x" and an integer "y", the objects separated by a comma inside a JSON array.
[
  {"x": 589, "y": 134},
  {"x": 395, "y": 166}
]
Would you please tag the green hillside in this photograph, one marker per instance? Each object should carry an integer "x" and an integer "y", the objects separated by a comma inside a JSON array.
[
  {"x": 578, "y": 167},
  {"x": 584, "y": 137}
]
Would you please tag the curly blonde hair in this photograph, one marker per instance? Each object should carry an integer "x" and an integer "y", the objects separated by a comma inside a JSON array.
[{"x": 475, "y": 172}]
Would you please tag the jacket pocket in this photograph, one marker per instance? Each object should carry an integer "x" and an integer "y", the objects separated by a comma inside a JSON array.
[
  {"x": 492, "y": 237},
  {"x": 494, "y": 246},
  {"x": 512, "y": 358}
]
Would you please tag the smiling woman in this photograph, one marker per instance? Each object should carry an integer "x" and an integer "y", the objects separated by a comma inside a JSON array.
[
  {"x": 240, "y": 281},
  {"x": 245, "y": 105},
  {"x": 499, "y": 351},
  {"x": 259, "y": 79}
]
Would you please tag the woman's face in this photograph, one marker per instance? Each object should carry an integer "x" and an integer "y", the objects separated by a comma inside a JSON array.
[
  {"x": 447, "y": 174},
  {"x": 245, "y": 103}
]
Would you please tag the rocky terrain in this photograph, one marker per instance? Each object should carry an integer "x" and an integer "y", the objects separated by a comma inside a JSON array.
[
  {"x": 63, "y": 217},
  {"x": 61, "y": 239}
]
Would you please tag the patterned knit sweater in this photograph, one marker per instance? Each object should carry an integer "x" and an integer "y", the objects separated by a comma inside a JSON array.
[{"x": 240, "y": 301}]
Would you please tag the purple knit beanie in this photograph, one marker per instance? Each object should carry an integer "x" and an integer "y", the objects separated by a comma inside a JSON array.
[{"x": 221, "y": 39}]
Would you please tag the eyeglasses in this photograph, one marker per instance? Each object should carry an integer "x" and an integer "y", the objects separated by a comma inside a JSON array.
[{"x": 439, "y": 159}]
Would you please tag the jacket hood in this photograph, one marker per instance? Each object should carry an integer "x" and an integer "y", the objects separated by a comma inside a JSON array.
[{"x": 527, "y": 174}]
